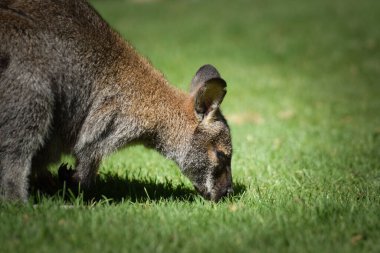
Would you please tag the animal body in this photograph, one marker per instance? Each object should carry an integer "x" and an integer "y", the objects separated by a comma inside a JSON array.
[{"x": 71, "y": 84}]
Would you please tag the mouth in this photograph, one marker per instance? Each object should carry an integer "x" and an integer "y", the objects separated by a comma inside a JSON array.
[
  {"x": 213, "y": 197},
  {"x": 202, "y": 191}
]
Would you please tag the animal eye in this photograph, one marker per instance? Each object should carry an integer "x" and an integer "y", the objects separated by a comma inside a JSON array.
[{"x": 221, "y": 156}]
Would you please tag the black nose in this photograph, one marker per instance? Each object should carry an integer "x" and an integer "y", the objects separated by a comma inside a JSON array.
[{"x": 230, "y": 191}]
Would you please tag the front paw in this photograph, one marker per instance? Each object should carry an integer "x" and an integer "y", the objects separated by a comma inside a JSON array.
[{"x": 66, "y": 174}]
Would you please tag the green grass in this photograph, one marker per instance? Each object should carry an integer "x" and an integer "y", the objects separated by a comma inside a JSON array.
[{"x": 303, "y": 104}]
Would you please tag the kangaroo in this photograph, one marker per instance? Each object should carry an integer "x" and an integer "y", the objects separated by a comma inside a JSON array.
[{"x": 70, "y": 84}]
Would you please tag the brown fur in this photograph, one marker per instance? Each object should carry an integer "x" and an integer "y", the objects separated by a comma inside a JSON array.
[{"x": 77, "y": 87}]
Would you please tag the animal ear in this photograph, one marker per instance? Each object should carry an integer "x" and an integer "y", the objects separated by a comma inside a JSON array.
[
  {"x": 204, "y": 73},
  {"x": 208, "y": 89}
]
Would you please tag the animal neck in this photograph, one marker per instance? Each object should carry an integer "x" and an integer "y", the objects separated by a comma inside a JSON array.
[
  {"x": 175, "y": 125},
  {"x": 162, "y": 115}
]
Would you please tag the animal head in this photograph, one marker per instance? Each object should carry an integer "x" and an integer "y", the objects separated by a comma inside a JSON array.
[{"x": 207, "y": 162}]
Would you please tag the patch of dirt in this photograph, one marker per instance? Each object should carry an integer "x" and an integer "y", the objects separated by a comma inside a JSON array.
[
  {"x": 286, "y": 114},
  {"x": 245, "y": 118},
  {"x": 355, "y": 239}
]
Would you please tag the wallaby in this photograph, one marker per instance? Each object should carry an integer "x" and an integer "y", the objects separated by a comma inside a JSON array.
[{"x": 71, "y": 84}]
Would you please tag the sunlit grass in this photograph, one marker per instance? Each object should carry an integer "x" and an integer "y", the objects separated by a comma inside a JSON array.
[{"x": 303, "y": 106}]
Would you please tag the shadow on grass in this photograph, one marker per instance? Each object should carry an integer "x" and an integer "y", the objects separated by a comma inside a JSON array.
[{"x": 116, "y": 189}]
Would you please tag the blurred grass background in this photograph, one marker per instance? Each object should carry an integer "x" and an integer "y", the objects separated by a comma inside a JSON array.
[{"x": 304, "y": 109}]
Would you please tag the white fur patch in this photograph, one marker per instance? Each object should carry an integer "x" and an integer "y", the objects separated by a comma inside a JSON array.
[{"x": 209, "y": 183}]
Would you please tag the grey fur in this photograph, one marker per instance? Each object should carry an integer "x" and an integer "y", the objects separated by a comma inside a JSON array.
[{"x": 70, "y": 84}]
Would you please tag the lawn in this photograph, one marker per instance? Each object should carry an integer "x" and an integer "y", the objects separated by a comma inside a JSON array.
[{"x": 303, "y": 104}]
